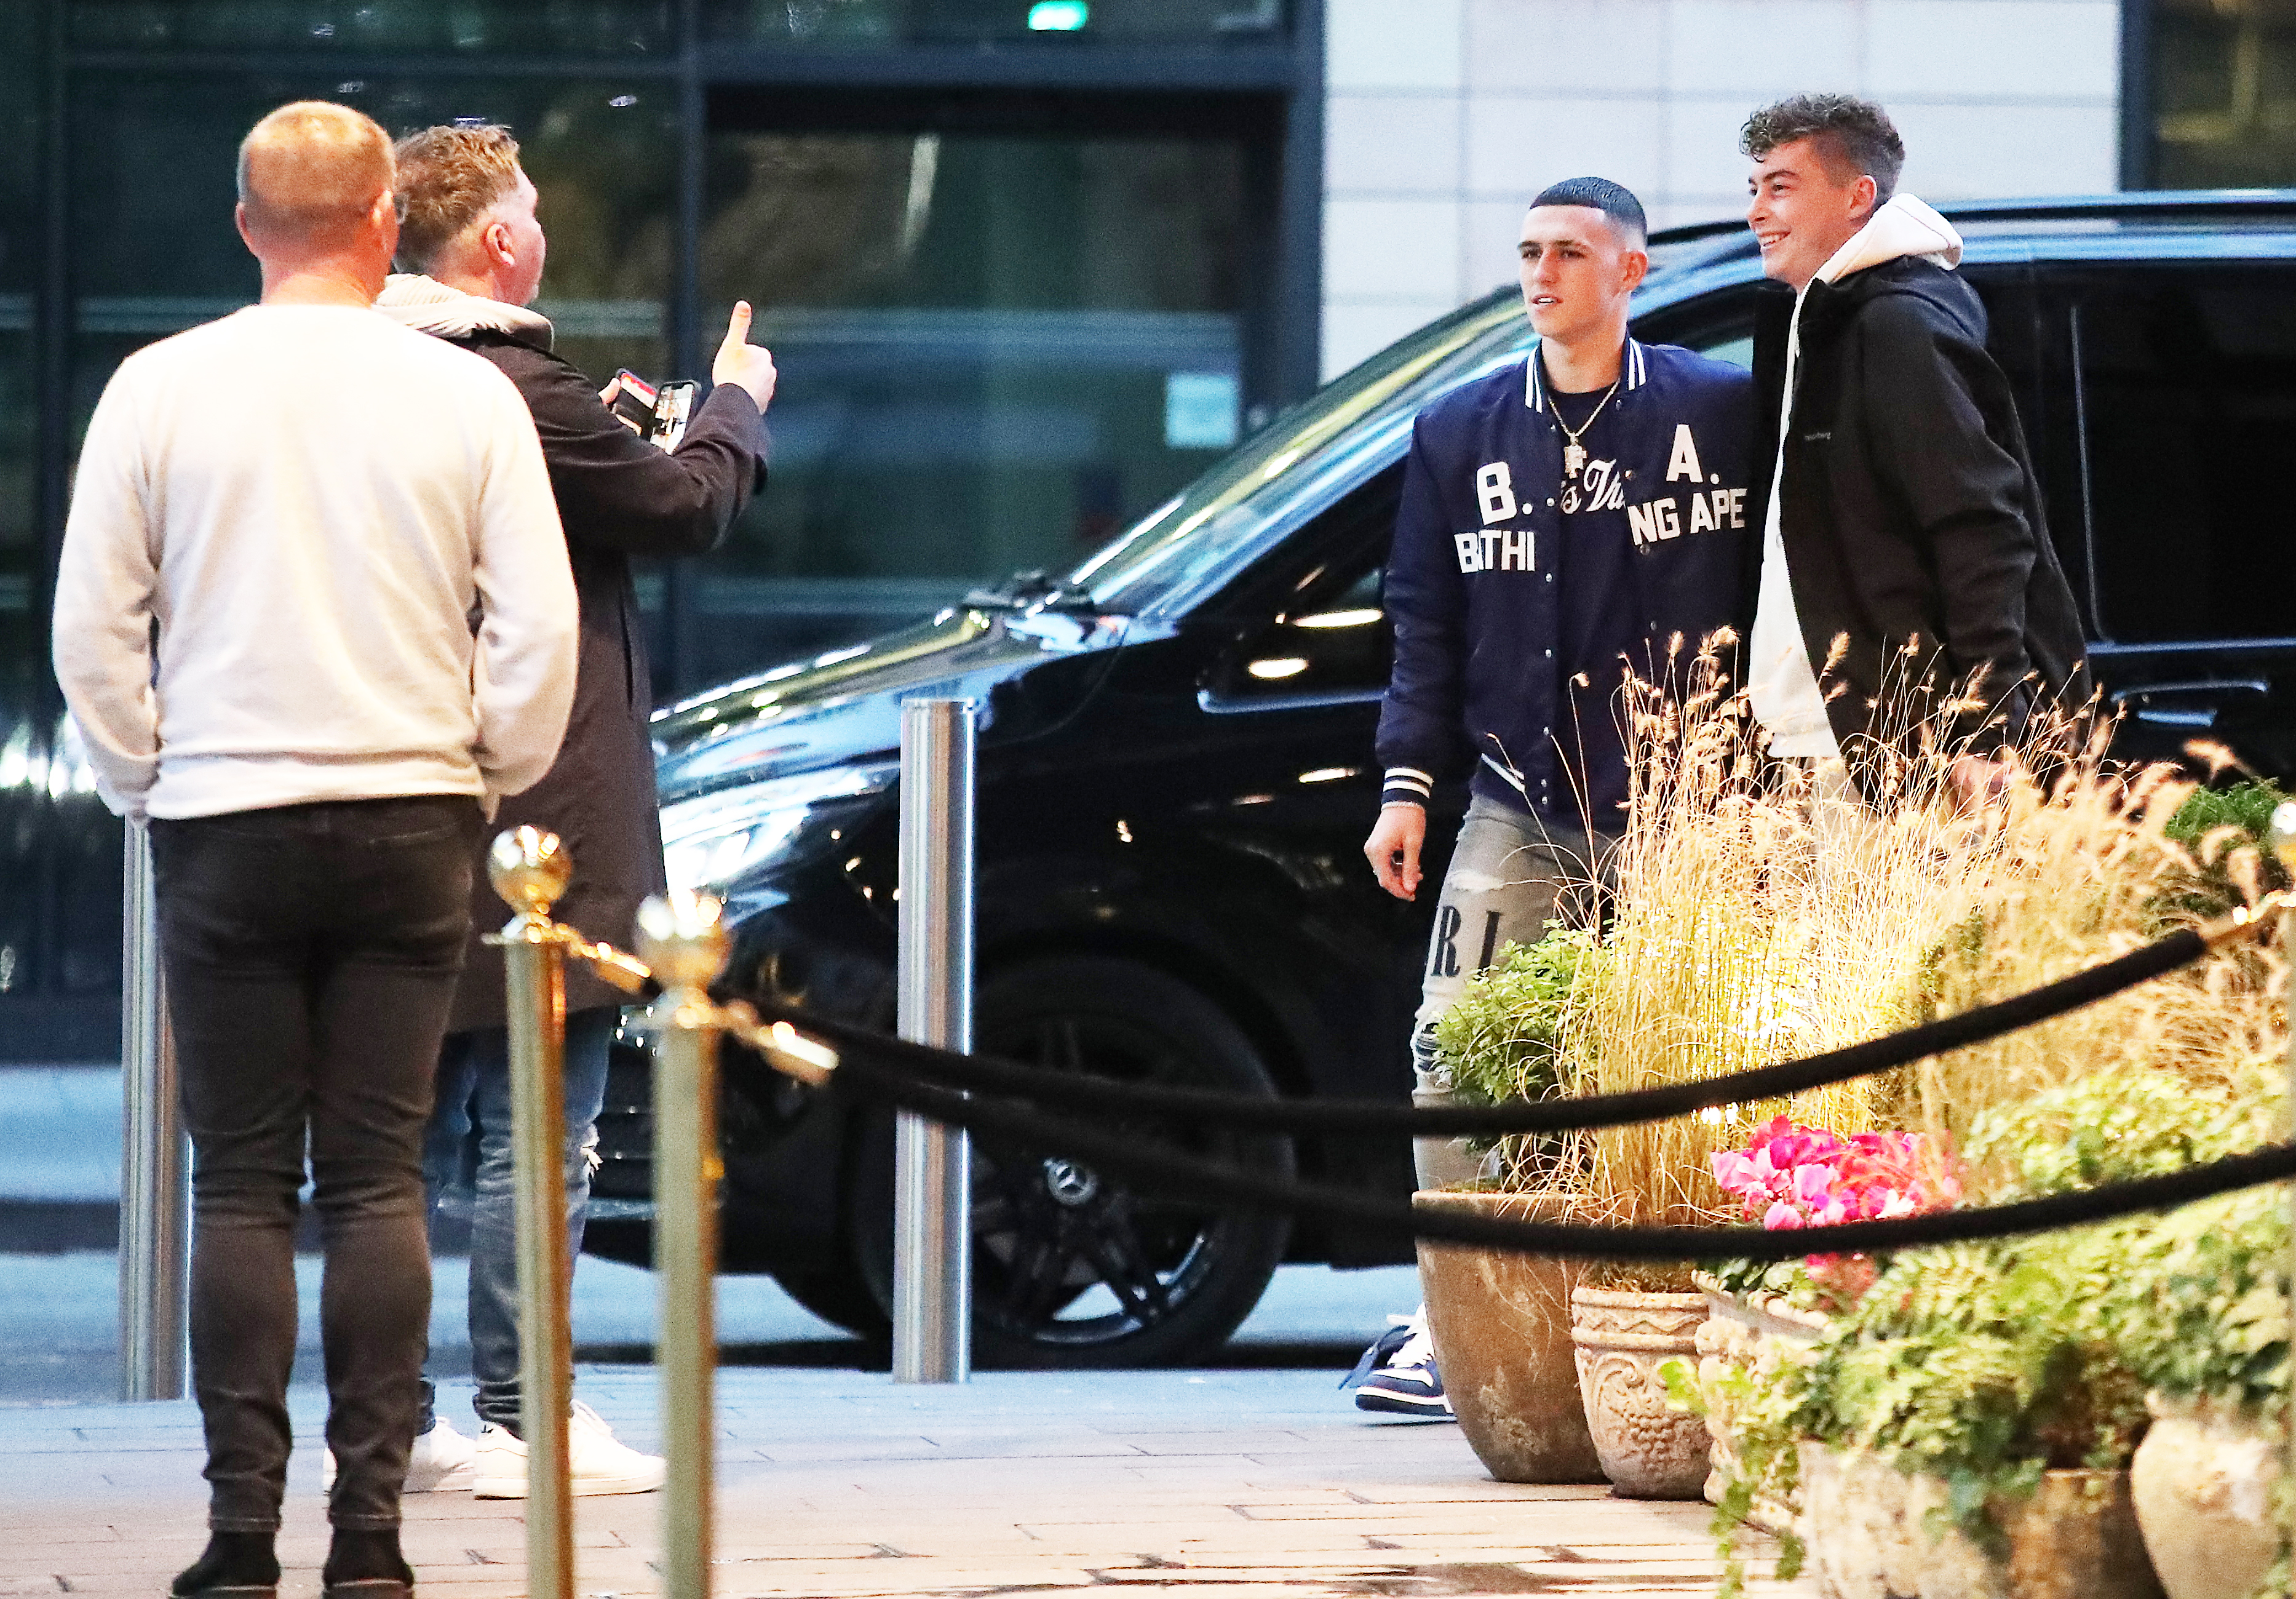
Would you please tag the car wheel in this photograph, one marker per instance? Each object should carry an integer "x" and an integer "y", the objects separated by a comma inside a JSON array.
[
  {"x": 1069, "y": 1268},
  {"x": 839, "y": 1297}
]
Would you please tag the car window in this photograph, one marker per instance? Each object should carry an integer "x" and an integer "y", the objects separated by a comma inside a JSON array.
[
  {"x": 1195, "y": 544},
  {"x": 2184, "y": 401},
  {"x": 1720, "y": 324},
  {"x": 1327, "y": 640}
]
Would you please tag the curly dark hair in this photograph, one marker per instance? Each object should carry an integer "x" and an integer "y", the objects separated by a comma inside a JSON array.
[{"x": 1851, "y": 135}]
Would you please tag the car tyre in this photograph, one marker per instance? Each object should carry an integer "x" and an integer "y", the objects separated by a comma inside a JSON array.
[{"x": 1069, "y": 1270}]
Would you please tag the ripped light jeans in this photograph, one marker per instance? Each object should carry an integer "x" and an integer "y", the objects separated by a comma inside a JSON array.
[
  {"x": 474, "y": 1105},
  {"x": 1509, "y": 877}
]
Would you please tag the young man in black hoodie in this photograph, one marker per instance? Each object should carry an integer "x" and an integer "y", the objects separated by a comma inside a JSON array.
[
  {"x": 1903, "y": 552},
  {"x": 470, "y": 230}
]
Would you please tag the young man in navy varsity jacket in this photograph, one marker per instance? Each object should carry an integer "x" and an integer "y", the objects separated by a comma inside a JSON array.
[{"x": 1564, "y": 522}]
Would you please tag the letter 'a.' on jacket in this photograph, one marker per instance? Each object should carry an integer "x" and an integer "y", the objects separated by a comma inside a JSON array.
[{"x": 1505, "y": 582}]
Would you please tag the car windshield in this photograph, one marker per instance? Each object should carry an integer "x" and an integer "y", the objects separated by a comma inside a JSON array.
[
  {"x": 1189, "y": 546},
  {"x": 1191, "y": 543}
]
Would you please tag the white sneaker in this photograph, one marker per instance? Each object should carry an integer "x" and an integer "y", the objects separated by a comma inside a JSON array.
[
  {"x": 443, "y": 1461},
  {"x": 598, "y": 1462}
]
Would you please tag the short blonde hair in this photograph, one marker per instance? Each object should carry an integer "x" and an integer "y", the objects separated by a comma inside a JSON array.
[
  {"x": 448, "y": 179},
  {"x": 312, "y": 168}
]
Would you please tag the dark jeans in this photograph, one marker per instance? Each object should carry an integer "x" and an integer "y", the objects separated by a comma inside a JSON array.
[
  {"x": 311, "y": 953},
  {"x": 474, "y": 1109}
]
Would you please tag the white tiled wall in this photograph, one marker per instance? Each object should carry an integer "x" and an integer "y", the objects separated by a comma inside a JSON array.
[{"x": 1444, "y": 117}]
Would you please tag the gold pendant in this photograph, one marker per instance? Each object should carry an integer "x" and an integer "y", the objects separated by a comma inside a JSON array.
[{"x": 1574, "y": 457}]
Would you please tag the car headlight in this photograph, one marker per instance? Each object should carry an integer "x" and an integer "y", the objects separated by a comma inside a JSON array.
[{"x": 720, "y": 838}]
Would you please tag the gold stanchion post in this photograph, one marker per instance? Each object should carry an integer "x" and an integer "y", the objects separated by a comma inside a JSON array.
[
  {"x": 682, "y": 938},
  {"x": 530, "y": 870}
]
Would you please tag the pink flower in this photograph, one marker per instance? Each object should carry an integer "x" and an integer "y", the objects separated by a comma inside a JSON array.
[
  {"x": 1781, "y": 1217},
  {"x": 1812, "y": 1183},
  {"x": 1735, "y": 1171}
]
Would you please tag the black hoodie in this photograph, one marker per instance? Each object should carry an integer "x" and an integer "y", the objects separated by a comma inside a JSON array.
[{"x": 1911, "y": 520}]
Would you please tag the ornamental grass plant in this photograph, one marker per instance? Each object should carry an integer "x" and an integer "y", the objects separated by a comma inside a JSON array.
[
  {"x": 1755, "y": 911},
  {"x": 1751, "y": 919}
]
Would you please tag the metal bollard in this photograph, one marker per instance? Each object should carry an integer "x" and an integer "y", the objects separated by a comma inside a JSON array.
[
  {"x": 530, "y": 869},
  {"x": 682, "y": 938},
  {"x": 932, "y": 1164},
  {"x": 155, "y": 1165}
]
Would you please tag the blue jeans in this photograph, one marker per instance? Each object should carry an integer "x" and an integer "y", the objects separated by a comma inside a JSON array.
[{"x": 474, "y": 1106}]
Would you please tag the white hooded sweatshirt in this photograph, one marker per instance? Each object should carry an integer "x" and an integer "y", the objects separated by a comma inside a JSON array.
[{"x": 1782, "y": 682}]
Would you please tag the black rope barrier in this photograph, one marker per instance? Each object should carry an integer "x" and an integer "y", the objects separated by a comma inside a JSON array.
[
  {"x": 1175, "y": 1174},
  {"x": 1256, "y": 1113}
]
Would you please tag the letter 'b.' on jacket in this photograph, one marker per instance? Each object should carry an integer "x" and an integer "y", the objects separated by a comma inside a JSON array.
[{"x": 1520, "y": 598}]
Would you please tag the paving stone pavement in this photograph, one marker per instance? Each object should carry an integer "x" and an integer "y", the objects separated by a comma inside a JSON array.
[{"x": 1245, "y": 1484}]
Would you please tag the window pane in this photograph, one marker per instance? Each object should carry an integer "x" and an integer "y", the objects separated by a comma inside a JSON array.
[
  {"x": 995, "y": 352},
  {"x": 2225, "y": 95},
  {"x": 2189, "y": 388},
  {"x": 851, "y": 22},
  {"x": 153, "y": 167},
  {"x": 558, "y": 27}
]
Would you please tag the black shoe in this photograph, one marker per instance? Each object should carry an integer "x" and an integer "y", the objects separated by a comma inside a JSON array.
[
  {"x": 237, "y": 1565},
  {"x": 366, "y": 1563}
]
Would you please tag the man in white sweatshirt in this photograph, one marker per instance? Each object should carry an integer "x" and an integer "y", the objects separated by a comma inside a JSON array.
[
  {"x": 1903, "y": 555},
  {"x": 310, "y": 506}
]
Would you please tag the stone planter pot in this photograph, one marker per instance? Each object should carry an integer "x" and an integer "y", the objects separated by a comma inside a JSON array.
[
  {"x": 1501, "y": 1324},
  {"x": 1869, "y": 1530},
  {"x": 1742, "y": 1332},
  {"x": 2203, "y": 1483},
  {"x": 1649, "y": 1449}
]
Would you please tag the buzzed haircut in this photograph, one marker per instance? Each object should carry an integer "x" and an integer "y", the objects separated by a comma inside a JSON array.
[
  {"x": 312, "y": 168},
  {"x": 1856, "y": 137},
  {"x": 1614, "y": 201},
  {"x": 448, "y": 179}
]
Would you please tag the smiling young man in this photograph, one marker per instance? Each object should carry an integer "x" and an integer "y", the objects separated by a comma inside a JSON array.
[
  {"x": 1904, "y": 548},
  {"x": 1564, "y": 522}
]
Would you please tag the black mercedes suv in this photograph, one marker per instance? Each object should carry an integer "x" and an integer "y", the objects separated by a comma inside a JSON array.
[{"x": 1175, "y": 768}]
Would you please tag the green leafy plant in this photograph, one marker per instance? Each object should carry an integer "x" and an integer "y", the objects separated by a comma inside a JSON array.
[
  {"x": 1985, "y": 1365},
  {"x": 2115, "y": 1127},
  {"x": 1500, "y": 1039},
  {"x": 1980, "y": 1365},
  {"x": 1768, "y": 1458},
  {"x": 2225, "y": 832}
]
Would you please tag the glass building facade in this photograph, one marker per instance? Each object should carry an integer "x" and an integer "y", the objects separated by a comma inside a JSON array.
[{"x": 1027, "y": 267}]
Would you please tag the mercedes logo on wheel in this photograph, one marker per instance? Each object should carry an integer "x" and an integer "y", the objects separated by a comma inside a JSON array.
[{"x": 1068, "y": 1183}]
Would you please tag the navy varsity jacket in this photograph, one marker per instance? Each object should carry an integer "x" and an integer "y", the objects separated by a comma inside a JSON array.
[{"x": 1505, "y": 582}]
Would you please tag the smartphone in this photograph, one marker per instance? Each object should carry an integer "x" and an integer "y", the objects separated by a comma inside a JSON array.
[{"x": 659, "y": 412}]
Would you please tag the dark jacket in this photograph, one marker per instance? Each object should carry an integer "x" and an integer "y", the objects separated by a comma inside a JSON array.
[
  {"x": 1910, "y": 517},
  {"x": 617, "y": 497},
  {"x": 1498, "y": 596}
]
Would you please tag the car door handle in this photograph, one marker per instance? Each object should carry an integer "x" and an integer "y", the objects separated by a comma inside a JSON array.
[{"x": 2186, "y": 704}]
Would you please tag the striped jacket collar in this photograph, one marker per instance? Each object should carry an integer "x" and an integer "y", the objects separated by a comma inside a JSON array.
[{"x": 1634, "y": 368}]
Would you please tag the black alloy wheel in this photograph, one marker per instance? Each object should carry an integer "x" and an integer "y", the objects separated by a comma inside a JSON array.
[{"x": 1069, "y": 1268}]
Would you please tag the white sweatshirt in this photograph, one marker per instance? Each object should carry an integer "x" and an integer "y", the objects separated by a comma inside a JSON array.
[
  {"x": 312, "y": 503},
  {"x": 1782, "y": 683}
]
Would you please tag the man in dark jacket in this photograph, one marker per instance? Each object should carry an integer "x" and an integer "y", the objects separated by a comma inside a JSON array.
[
  {"x": 470, "y": 229},
  {"x": 1567, "y": 520},
  {"x": 1903, "y": 555}
]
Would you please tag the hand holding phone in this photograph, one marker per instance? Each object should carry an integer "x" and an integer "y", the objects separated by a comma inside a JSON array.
[{"x": 656, "y": 413}]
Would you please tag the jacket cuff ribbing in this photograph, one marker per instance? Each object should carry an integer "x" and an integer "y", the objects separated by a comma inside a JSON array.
[{"x": 1406, "y": 785}]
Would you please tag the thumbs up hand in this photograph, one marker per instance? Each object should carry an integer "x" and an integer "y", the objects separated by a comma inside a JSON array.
[{"x": 741, "y": 362}]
